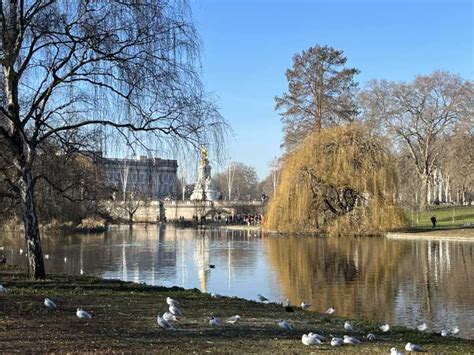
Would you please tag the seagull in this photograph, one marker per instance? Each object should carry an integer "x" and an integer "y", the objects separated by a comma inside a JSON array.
[
  {"x": 262, "y": 298},
  {"x": 81, "y": 271},
  {"x": 370, "y": 336},
  {"x": 169, "y": 317},
  {"x": 164, "y": 323},
  {"x": 83, "y": 314},
  {"x": 455, "y": 330},
  {"x": 394, "y": 351},
  {"x": 171, "y": 301},
  {"x": 331, "y": 310},
  {"x": 46, "y": 256},
  {"x": 233, "y": 319},
  {"x": 351, "y": 340},
  {"x": 307, "y": 339},
  {"x": 348, "y": 326},
  {"x": 337, "y": 342},
  {"x": 50, "y": 304},
  {"x": 305, "y": 305},
  {"x": 65, "y": 259},
  {"x": 21, "y": 251},
  {"x": 283, "y": 324},
  {"x": 413, "y": 347},
  {"x": 384, "y": 328},
  {"x": 214, "y": 321},
  {"x": 320, "y": 337},
  {"x": 175, "y": 310},
  {"x": 445, "y": 333},
  {"x": 289, "y": 307},
  {"x": 3, "y": 289},
  {"x": 422, "y": 327}
]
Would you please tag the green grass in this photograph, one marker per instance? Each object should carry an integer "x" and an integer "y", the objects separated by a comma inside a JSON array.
[
  {"x": 444, "y": 216},
  {"x": 125, "y": 320}
]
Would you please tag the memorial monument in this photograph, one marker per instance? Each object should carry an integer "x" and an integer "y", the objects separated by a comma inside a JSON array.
[{"x": 204, "y": 189}]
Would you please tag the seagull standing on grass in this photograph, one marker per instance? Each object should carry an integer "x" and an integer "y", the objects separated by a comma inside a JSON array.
[
  {"x": 413, "y": 347},
  {"x": 394, "y": 351},
  {"x": 370, "y": 337},
  {"x": 284, "y": 325},
  {"x": 50, "y": 304},
  {"x": 175, "y": 310},
  {"x": 171, "y": 301},
  {"x": 337, "y": 342},
  {"x": 163, "y": 323},
  {"x": 214, "y": 321},
  {"x": 318, "y": 336},
  {"x": 308, "y": 339},
  {"x": 305, "y": 306},
  {"x": 169, "y": 317},
  {"x": 233, "y": 319},
  {"x": 455, "y": 330},
  {"x": 384, "y": 328},
  {"x": 422, "y": 327},
  {"x": 81, "y": 314},
  {"x": 348, "y": 326},
  {"x": 331, "y": 310},
  {"x": 351, "y": 340}
]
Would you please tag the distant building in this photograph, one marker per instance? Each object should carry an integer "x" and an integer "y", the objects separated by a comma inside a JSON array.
[{"x": 152, "y": 178}]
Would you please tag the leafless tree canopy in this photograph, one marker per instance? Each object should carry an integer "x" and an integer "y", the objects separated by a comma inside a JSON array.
[{"x": 72, "y": 67}]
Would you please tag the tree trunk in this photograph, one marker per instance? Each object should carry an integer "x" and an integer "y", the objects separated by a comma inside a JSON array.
[
  {"x": 424, "y": 196},
  {"x": 31, "y": 225}
]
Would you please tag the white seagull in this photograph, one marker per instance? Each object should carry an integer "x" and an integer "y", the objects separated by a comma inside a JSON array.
[
  {"x": 422, "y": 327},
  {"x": 171, "y": 302},
  {"x": 214, "y": 321},
  {"x": 351, "y": 340},
  {"x": 308, "y": 339},
  {"x": 283, "y": 324},
  {"x": 305, "y": 305},
  {"x": 348, "y": 326},
  {"x": 337, "y": 342},
  {"x": 445, "y": 333},
  {"x": 3, "y": 289},
  {"x": 65, "y": 259},
  {"x": 384, "y": 328},
  {"x": 169, "y": 317},
  {"x": 163, "y": 323},
  {"x": 175, "y": 310},
  {"x": 413, "y": 347},
  {"x": 83, "y": 314},
  {"x": 394, "y": 351},
  {"x": 233, "y": 319},
  {"x": 370, "y": 337},
  {"x": 50, "y": 304},
  {"x": 21, "y": 251},
  {"x": 455, "y": 330},
  {"x": 331, "y": 310},
  {"x": 318, "y": 336}
]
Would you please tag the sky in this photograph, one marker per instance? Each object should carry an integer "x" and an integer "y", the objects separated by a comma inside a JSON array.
[{"x": 248, "y": 45}]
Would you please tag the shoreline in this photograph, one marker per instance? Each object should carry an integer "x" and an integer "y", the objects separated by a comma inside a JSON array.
[
  {"x": 459, "y": 234},
  {"x": 129, "y": 310}
]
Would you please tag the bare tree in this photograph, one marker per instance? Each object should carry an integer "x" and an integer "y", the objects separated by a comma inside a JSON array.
[
  {"x": 76, "y": 66},
  {"x": 320, "y": 93},
  {"x": 420, "y": 113}
]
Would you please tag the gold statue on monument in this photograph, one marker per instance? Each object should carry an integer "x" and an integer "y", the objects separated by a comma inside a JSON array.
[{"x": 204, "y": 159}]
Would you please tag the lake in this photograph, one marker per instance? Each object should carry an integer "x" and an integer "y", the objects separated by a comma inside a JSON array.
[{"x": 397, "y": 281}]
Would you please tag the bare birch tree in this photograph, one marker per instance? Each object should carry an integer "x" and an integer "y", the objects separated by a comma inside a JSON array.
[
  {"x": 77, "y": 66},
  {"x": 420, "y": 114}
]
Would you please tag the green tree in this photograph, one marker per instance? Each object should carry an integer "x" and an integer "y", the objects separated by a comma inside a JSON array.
[{"x": 320, "y": 94}]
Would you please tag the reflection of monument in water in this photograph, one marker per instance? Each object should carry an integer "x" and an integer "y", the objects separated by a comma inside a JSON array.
[
  {"x": 201, "y": 255},
  {"x": 204, "y": 189}
]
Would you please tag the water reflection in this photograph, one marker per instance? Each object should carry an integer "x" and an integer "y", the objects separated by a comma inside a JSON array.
[{"x": 403, "y": 282}]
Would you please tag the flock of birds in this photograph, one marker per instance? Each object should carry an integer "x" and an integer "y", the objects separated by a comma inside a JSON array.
[{"x": 175, "y": 311}]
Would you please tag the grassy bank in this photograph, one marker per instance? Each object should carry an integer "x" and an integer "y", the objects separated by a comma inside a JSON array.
[
  {"x": 125, "y": 320},
  {"x": 451, "y": 217}
]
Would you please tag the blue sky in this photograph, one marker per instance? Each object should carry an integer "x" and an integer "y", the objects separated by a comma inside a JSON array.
[{"x": 248, "y": 45}]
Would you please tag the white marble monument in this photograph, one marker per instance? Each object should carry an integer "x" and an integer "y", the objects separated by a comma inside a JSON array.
[{"x": 204, "y": 189}]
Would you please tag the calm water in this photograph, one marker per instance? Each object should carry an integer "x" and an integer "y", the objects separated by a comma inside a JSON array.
[{"x": 402, "y": 282}]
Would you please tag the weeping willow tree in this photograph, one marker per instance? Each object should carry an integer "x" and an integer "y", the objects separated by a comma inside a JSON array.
[{"x": 340, "y": 181}]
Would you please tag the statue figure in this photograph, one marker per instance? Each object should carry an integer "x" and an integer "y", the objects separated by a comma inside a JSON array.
[
  {"x": 204, "y": 159},
  {"x": 204, "y": 188}
]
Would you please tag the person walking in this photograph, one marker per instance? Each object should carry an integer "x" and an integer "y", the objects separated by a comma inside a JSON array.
[{"x": 434, "y": 221}]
